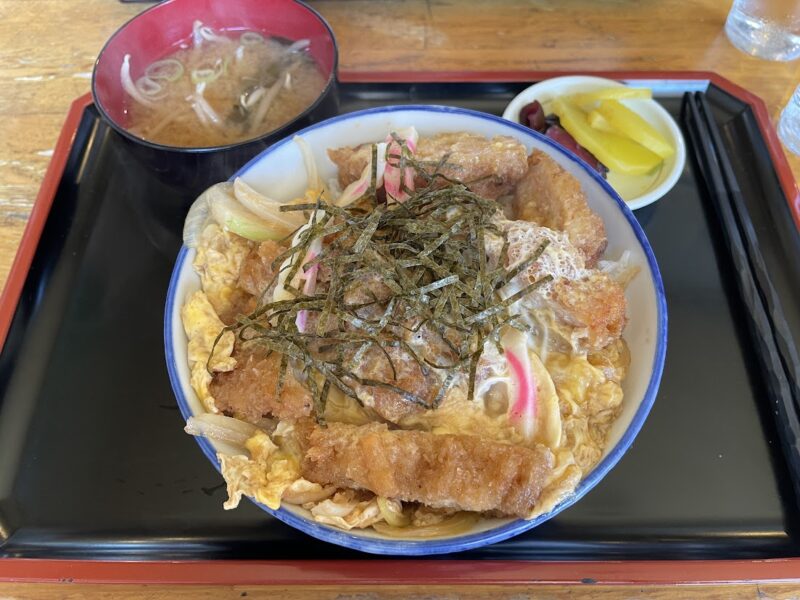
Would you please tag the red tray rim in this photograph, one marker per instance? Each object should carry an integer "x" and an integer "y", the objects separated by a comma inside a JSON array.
[
  {"x": 392, "y": 572},
  {"x": 399, "y": 572}
]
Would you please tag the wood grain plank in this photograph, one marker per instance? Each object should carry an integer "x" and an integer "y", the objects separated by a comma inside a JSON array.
[{"x": 67, "y": 591}]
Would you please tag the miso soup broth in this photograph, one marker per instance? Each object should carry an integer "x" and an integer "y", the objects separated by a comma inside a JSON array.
[{"x": 220, "y": 88}]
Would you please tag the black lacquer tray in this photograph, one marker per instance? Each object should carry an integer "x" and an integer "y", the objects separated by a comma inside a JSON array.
[{"x": 94, "y": 463}]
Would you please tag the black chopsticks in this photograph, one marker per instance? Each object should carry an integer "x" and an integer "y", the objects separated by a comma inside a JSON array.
[{"x": 773, "y": 342}]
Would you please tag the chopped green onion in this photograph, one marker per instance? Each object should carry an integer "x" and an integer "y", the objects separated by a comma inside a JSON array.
[
  {"x": 168, "y": 69},
  {"x": 249, "y": 38},
  {"x": 204, "y": 75}
]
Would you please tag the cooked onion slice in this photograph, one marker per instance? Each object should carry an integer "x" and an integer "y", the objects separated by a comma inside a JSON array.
[
  {"x": 220, "y": 428},
  {"x": 303, "y": 491},
  {"x": 202, "y": 33},
  {"x": 266, "y": 208},
  {"x": 263, "y": 106},
  {"x": 312, "y": 173},
  {"x": 256, "y": 201},
  {"x": 129, "y": 86},
  {"x": 548, "y": 416},
  {"x": 232, "y": 216},
  {"x": 150, "y": 88},
  {"x": 196, "y": 219},
  {"x": 242, "y": 210},
  {"x": 392, "y": 512},
  {"x": 454, "y": 525},
  {"x": 299, "y": 45},
  {"x": 621, "y": 270},
  {"x": 359, "y": 187}
]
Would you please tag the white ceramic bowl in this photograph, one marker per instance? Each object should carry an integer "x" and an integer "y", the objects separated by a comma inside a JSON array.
[
  {"x": 636, "y": 190},
  {"x": 279, "y": 172}
]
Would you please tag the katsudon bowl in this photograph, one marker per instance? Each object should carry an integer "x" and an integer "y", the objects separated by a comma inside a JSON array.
[{"x": 279, "y": 172}]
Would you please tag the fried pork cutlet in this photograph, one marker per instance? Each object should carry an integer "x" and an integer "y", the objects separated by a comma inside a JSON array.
[
  {"x": 255, "y": 275},
  {"x": 249, "y": 391},
  {"x": 256, "y": 272},
  {"x": 386, "y": 402},
  {"x": 444, "y": 471},
  {"x": 350, "y": 162},
  {"x": 551, "y": 197},
  {"x": 490, "y": 168},
  {"x": 586, "y": 300},
  {"x": 596, "y": 303}
]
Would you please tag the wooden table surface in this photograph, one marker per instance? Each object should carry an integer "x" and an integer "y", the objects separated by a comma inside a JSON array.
[{"x": 48, "y": 48}]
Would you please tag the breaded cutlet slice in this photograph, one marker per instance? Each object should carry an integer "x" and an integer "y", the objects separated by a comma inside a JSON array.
[
  {"x": 249, "y": 391},
  {"x": 549, "y": 196},
  {"x": 596, "y": 303},
  {"x": 588, "y": 301},
  {"x": 256, "y": 272},
  {"x": 489, "y": 167},
  {"x": 444, "y": 471}
]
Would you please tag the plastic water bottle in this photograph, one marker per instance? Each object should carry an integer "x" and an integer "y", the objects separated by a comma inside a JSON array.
[
  {"x": 789, "y": 123},
  {"x": 768, "y": 29}
]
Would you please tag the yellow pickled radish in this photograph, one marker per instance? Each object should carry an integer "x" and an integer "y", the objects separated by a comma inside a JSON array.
[
  {"x": 630, "y": 124},
  {"x": 598, "y": 121},
  {"x": 616, "y": 152},
  {"x": 611, "y": 93}
]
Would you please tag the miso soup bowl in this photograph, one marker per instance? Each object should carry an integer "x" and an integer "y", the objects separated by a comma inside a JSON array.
[
  {"x": 156, "y": 33},
  {"x": 279, "y": 172}
]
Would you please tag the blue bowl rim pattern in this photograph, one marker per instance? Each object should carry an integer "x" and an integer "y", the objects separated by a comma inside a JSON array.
[{"x": 474, "y": 540}]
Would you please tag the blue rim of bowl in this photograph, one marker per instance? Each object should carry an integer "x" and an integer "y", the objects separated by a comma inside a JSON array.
[
  {"x": 330, "y": 88},
  {"x": 475, "y": 540}
]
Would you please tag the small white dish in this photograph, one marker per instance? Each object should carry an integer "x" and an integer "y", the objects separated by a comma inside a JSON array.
[{"x": 637, "y": 190}]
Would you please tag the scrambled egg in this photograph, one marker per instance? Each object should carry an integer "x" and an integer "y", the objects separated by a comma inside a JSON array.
[
  {"x": 561, "y": 483},
  {"x": 218, "y": 261},
  {"x": 271, "y": 472},
  {"x": 202, "y": 326},
  {"x": 579, "y": 397},
  {"x": 264, "y": 476},
  {"x": 589, "y": 404},
  {"x": 586, "y": 398}
]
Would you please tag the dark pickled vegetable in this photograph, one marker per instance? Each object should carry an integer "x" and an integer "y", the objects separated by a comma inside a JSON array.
[
  {"x": 562, "y": 136},
  {"x": 533, "y": 116}
]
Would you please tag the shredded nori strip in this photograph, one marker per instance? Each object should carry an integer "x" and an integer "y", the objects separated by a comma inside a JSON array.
[{"x": 393, "y": 271}]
